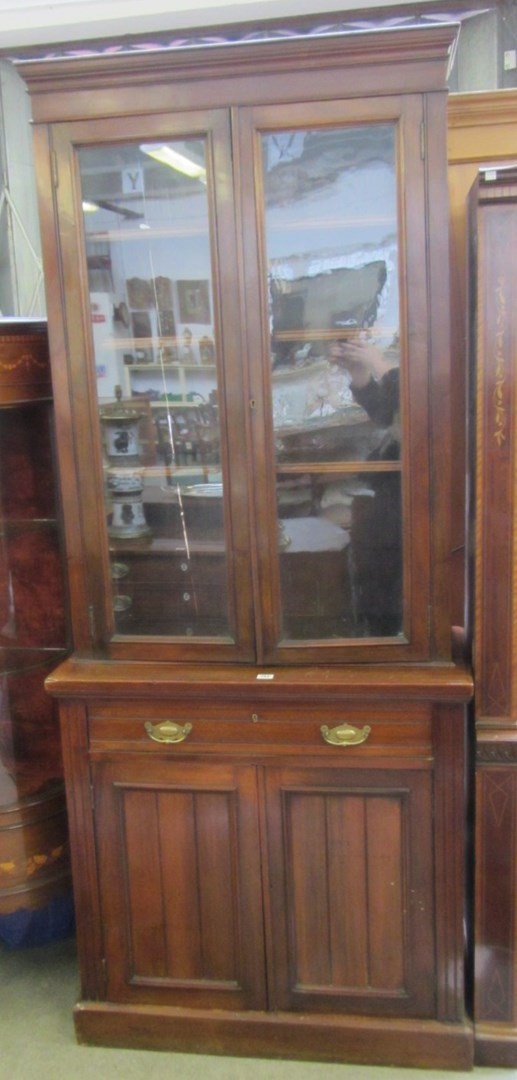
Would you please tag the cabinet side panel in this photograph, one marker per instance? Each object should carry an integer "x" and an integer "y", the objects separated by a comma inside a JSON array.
[
  {"x": 437, "y": 252},
  {"x": 450, "y": 807},
  {"x": 82, "y": 846}
]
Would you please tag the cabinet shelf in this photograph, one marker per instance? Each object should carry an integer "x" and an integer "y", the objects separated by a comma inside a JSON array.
[
  {"x": 359, "y": 222},
  {"x": 28, "y": 523},
  {"x": 337, "y": 467},
  {"x": 142, "y": 235},
  {"x": 16, "y": 660},
  {"x": 169, "y": 366},
  {"x": 326, "y": 334}
]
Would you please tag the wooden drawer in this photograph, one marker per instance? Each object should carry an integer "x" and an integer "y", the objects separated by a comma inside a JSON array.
[
  {"x": 153, "y": 569},
  {"x": 174, "y": 602},
  {"x": 405, "y": 731},
  {"x": 169, "y": 594}
]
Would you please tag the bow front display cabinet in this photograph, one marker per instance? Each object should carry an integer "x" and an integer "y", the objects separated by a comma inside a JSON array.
[
  {"x": 35, "y": 883},
  {"x": 263, "y": 724}
]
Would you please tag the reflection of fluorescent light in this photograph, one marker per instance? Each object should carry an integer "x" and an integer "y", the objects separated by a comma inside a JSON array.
[
  {"x": 89, "y": 207},
  {"x": 167, "y": 156}
]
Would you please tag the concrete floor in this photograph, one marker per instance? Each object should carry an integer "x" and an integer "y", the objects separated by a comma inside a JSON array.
[{"x": 38, "y": 988}]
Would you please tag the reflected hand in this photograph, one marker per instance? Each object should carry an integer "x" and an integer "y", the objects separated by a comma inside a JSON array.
[{"x": 360, "y": 358}]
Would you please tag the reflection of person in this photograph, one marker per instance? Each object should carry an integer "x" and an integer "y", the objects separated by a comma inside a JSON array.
[{"x": 375, "y": 531}]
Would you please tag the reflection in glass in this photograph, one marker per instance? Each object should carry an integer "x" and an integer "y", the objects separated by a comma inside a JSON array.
[
  {"x": 340, "y": 554},
  {"x": 147, "y": 237},
  {"x": 332, "y": 259}
]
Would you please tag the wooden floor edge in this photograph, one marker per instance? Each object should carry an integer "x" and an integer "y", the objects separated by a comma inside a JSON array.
[
  {"x": 495, "y": 1045},
  {"x": 332, "y": 1039}
]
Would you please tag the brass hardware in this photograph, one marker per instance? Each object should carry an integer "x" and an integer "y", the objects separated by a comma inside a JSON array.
[
  {"x": 167, "y": 731},
  {"x": 345, "y": 735}
]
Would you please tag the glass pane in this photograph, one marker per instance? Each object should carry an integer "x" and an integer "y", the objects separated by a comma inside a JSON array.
[
  {"x": 147, "y": 234},
  {"x": 332, "y": 255},
  {"x": 340, "y": 554}
]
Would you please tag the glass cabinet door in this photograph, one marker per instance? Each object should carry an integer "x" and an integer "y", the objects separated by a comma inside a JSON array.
[
  {"x": 164, "y": 367},
  {"x": 252, "y": 341},
  {"x": 331, "y": 222}
]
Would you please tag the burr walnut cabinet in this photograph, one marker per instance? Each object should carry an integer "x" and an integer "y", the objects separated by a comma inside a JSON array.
[{"x": 263, "y": 723}]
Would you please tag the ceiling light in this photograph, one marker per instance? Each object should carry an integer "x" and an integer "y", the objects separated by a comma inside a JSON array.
[
  {"x": 167, "y": 156},
  {"x": 89, "y": 207}
]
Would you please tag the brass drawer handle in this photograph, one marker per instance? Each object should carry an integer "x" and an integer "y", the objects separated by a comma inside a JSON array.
[
  {"x": 345, "y": 735},
  {"x": 167, "y": 732}
]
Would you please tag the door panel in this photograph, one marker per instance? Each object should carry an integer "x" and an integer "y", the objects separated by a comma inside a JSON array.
[
  {"x": 152, "y": 308},
  {"x": 352, "y": 912},
  {"x": 336, "y": 347},
  {"x": 182, "y": 899}
]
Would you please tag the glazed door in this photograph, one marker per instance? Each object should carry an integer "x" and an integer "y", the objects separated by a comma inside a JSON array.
[
  {"x": 149, "y": 251},
  {"x": 335, "y": 240},
  {"x": 180, "y": 881},
  {"x": 352, "y": 890},
  {"x": 247, "y": 312}
]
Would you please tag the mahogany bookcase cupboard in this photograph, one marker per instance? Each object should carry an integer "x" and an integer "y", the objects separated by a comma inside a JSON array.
[{"x": 263, "y": 722}]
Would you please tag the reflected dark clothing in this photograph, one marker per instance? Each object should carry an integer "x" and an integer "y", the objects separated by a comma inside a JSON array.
[
  {"x": 381, "y": 401},
  {"x": 376, "y": 526}
]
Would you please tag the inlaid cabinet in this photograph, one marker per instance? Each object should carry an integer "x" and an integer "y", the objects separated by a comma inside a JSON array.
[
  {"x": 263, "y": 721},
  {"x": 492, "y": 326}
]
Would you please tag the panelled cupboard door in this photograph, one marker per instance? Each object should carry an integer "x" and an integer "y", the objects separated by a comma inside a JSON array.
[
  {"x": 180, "y": 882},
  {"x": 155, "y": 404},
  {"x": 352, "y": 906},
  {"x": 335, "y": 235}
]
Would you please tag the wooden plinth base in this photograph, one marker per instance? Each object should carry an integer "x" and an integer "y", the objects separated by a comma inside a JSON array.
[
  {"x": 425, "y": 1044},
  {"x": 496, "y": 1045}
]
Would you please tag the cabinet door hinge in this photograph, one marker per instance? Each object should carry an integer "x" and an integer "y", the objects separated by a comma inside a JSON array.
[
  {"x": 422, "y": 140},
  {"x": 55, "y": 169},
  {"x": 104, "y": 965}
]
